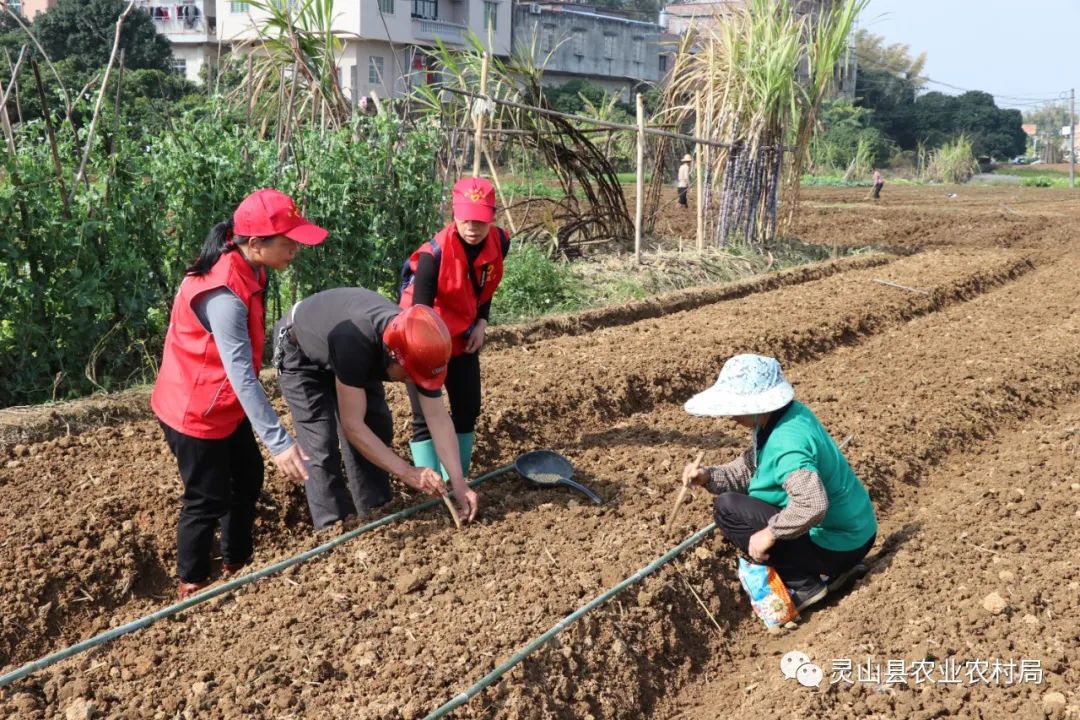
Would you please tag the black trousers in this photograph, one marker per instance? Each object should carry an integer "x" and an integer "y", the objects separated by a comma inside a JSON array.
[
  {"x": 877, "y": 190},
  {"x": 311, "y": 394},
  {"x": 222, "y": 481},
  {"x": 463, "y": 392},
  {"x": 682, "y": 196},
  {"x": 800, "y": 561}
]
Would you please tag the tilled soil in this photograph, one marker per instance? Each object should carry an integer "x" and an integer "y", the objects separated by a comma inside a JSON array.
[{"x": 956, "y": 396}]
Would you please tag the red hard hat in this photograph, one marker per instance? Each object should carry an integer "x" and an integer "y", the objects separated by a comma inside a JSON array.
[{"x": 419, "y": 341}]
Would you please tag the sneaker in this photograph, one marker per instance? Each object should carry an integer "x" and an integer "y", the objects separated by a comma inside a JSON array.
[
  {"x": 808, "y": 596},
  {"x": 186, "y": 589},
  {"x": 836, "y": 583}
]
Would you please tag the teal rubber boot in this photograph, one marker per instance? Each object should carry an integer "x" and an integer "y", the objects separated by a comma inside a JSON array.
[
  {"x": 465, "y": 448},
  {"x": 424, "y": 455}
]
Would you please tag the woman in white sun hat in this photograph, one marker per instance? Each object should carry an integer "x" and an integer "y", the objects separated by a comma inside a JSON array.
[{"x": 790, "y": 500}]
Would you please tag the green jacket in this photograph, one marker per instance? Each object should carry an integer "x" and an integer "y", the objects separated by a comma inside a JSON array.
[{"x": 799, "y": 442}]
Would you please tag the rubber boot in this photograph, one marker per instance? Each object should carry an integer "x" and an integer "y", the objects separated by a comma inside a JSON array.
[
  {"x": 465, "y": 448},
  {"x": 424, "y": 455}
]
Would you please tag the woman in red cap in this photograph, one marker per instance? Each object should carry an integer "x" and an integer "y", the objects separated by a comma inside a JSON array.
[
  {"x": 334, "y": 351},
  {"x": 457, "y": 273},
  {"x": 207, "y": 395}
]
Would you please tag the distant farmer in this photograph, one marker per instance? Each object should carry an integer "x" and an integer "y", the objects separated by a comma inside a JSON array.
[
  {"x": 334, "y": 351},
  {"x": 457, "y": 273},
  {"x": 879, "y": 182},
  {"x": 207, "y": 395},
  {"x": 684, "y": 179},
  {"x": 790, "y": 500}
]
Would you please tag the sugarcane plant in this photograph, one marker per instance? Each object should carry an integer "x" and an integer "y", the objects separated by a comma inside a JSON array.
[
  {"x": 764, "y": 69},
  {"x": 592, "y": 208},
  {"x": 288, "y": 73}
]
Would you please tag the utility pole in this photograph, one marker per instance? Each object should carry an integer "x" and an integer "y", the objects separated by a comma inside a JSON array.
[{"x": 1072, "y": 138}]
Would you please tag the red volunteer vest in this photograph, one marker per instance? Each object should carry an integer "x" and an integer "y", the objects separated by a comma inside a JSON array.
[
  {"x": 192, "y": 394},
  {"x": 460, "y": 292}
]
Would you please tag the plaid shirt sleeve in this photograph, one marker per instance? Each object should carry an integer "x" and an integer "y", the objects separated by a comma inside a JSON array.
[
  {"x": 807, "y": 505},
  {"x": 732, "y": 477}
]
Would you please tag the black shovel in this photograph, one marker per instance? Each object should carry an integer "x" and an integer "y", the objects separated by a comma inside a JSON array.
[{"x": 546, "y": 468}]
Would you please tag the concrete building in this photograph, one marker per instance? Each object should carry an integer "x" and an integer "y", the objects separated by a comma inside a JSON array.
[
  {"x": 381, "y": 39},
  {"x": 29, "y": 8},
  {"x": 573, "y": 41}
]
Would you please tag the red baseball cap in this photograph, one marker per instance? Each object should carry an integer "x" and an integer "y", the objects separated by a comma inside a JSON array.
[
  {"x": 419, "y": 341},
  {"x": 474, "y": 199},
  {"x": 268, "y": 212}
]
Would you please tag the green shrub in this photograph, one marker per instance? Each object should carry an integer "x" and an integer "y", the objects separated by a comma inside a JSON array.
[
  {"x": 1037, "y": 181},
  {"x": 87, "y": 290},
  {"x": 533, "y": 284}
]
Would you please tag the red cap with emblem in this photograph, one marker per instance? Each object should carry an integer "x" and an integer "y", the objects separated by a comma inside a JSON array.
[
  {"x": 268, "y": 212},
  {"x": 474, "y": 199}
]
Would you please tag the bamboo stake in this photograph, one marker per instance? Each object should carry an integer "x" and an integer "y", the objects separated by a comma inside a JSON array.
[
  {"x": 80, "y": 175},
  {"x": 700, "y": 172},
  {"x": 499, "y": 190},
  {"x": 682, "y": 491},
  {"x": 639, "y": 201},
  {"x": 9, "y": 136},
  {"x": 902, "y": 287},
  {"x": 453, "y": 510},
  {"x": 57, "y": 166},
  {"x": 478, "y": 117},
  {"x": 119, "y": 90}
]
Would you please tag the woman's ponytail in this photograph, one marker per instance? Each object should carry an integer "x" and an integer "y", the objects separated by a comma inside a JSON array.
[{"x": 219, "y": 240}]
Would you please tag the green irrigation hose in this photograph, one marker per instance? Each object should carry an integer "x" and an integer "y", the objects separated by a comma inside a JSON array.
[
  {"x": 536, "y": 644},
  {"x": 42, "y": 663}
]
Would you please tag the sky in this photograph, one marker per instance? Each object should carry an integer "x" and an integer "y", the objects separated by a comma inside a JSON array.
[{"x": 1021, "y": 51}]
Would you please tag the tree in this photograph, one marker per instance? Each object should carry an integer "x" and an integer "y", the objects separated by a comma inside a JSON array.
[
  {"x": 888, "y": 80},
  {"x": 83, "y": 30},
  {"x": 993, "y": 131}
]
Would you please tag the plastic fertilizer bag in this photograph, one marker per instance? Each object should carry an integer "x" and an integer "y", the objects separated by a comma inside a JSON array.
[{"x": 768, "y": 595}]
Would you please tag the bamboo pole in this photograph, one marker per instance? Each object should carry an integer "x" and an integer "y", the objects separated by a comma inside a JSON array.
[
  {"x": 639, "y": 202},
  {"x": 47, "y": 114},
  {"x": 478, "y": 117},
  {"x": 700, "y": 173},
  {"x": 80, "y": 176},
  {"x": 9, "y": 136},
  {"x": 499, "y": 191},
  {"x": 710, "y": 123},
  {"x": 597, "y": 123}
]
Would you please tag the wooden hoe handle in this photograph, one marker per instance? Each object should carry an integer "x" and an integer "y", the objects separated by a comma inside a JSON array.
[{"x": 682, "y": 491}]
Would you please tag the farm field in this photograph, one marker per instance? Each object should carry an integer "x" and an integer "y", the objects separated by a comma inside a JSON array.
[{"x": 962, "y": 397}]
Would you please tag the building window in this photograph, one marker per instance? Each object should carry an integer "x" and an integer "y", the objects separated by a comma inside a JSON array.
[
  {"x": 579, "y": 42},
  {"x": 491, "y": 15},
  {"x": 375, "y": 70},
  {"x": 639, "y": 49},
  {"x": 425, "y": 9},
  {"x": 609, "y": 46},
  {"x": 179, "y": 66},
  {"x": 663, "y": 63},
  {"x": 386, "y": 7},
  {"x": 547, "y": 38},
  {"x": 15, "y": 6},
  {"x": 238, "y": 8}
]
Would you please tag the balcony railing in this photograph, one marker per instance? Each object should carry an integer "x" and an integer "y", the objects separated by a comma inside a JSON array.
[
  {"x": 201, "y": 25},
  {"x": 184, "y": 18},
  {"x": 432, "y": 29}
]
